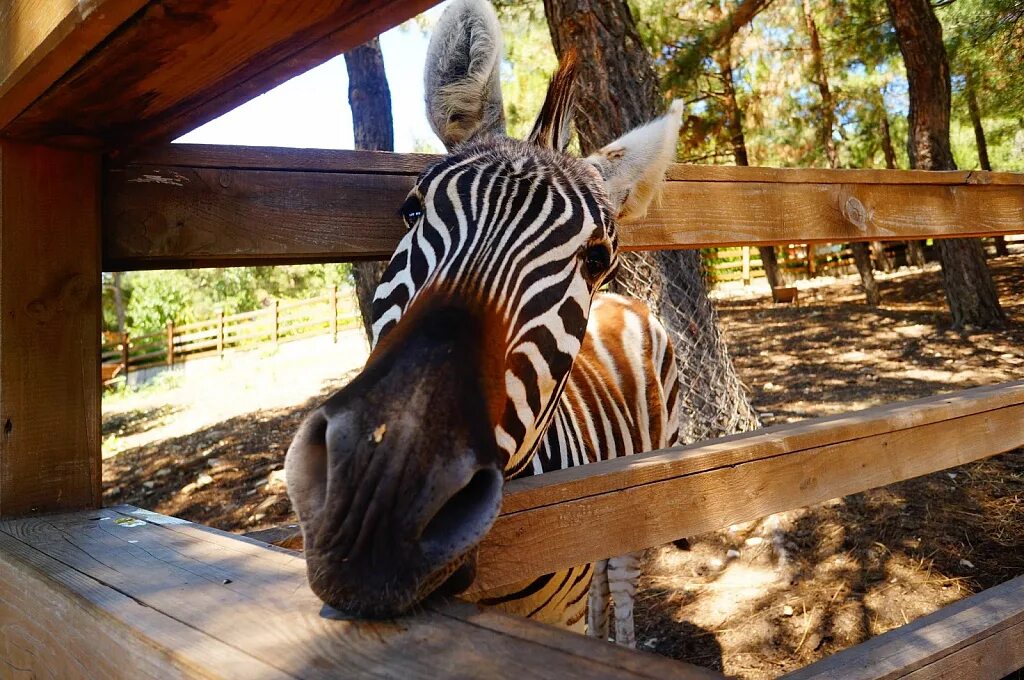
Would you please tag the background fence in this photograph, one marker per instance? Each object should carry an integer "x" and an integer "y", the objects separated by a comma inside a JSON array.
[{"x": 280, "y": 321}]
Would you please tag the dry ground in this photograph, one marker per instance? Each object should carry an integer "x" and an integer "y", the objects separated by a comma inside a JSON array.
[{"x": 754, "y": 600}]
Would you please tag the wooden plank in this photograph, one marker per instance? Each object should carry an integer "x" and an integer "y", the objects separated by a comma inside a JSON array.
[
  {"x": 179, "y": 63},
  {"x": 40, "y": 40},
  {"x": 574, "y": 516},
  {"x": 980, "y": 637},
  {"x": 254, "y": 600},
  {"x": 49, "y": 329},
  {"x": 57, "y": 622},
  {"x": 186, "y": 206}
]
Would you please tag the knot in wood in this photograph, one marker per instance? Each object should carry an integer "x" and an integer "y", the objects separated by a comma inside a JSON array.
[{"x": 856, "y": 213}]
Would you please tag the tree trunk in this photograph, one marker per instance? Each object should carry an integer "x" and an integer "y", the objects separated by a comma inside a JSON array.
[
  {"x": 373, "y": 130},
  {"x": 828, "y": 109},
  {"x": 861, "y": 254},
  {"x": 969, "y": 288},
  {"x": 618, "y": 91},
  {"x": 915, "y": 248},
  {"x": 734, "y": 125},
  {"x": 862, "y": 257},
  {"x": 119, "y": 303},
  {"x": 885, "y": 262},
  {"x": 979, "y": 138}
]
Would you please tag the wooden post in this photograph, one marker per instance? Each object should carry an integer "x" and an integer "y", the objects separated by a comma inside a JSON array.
[
  {"x": 746, "y": 265},
  {"x": 277, "y": 319},
  {"x": 125, "y": 355},
  {"x": 170, "y": 343},
  {"x": 220, "y": 332},
  {"x": 810, "y": 260},
  {"x": 333, "y": 294},
  {"x": 50, "y": 313}
]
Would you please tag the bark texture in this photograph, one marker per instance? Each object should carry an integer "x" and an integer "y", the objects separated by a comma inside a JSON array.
[
  {"x": 618, "y": 91},
  {"x": 970, "y": 292},
  {"x": 373, "y": 130}
]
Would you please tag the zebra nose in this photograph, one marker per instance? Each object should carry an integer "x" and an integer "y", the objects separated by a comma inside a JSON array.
[{"x": 464, "y": 503}]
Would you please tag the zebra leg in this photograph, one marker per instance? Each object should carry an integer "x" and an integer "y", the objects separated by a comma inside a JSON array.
[
  {"x": 623, "y": 575},
  {"x": 597, "y": 602}
]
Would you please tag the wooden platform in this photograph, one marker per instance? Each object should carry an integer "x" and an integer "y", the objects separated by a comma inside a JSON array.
[{"x": 126, "y": 593}]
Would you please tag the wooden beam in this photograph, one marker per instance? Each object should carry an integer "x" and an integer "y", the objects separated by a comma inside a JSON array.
[
  {"x": 49, "y": 329},
  {"x": 191, "y": 205},
  {"x": 126, "y": 593},
  {"x": 175, "y": 64},
  {"x": 40, "y": 40},
  {"x": 578, "y": 515},
  {"x": 980, "y": 637}
]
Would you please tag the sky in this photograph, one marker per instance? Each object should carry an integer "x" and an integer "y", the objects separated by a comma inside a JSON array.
[{"x": 311, "y": 110}]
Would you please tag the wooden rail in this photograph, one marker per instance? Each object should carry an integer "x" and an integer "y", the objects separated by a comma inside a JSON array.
[
  {"x": 575, "y": 516},
  {"x": 195, "y": 205},
  {"x": 279, "y": 322}
]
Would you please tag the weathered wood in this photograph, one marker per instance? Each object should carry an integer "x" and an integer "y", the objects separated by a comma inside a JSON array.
[
  {"x": 175, "y": 64},
  {"x": 645, "y": 500},
  {"x": 49, "y": 329},
  {"x": 181, "y": 594},
  {"x": 60, "y": 623},
  {"x": 202, "y": 206},
  {"x": 980, "y": 637},
  {"x": 40, "y": 40}
]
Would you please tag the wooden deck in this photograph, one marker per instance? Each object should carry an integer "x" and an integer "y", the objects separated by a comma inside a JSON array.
[{"x": 126, "y": 593}]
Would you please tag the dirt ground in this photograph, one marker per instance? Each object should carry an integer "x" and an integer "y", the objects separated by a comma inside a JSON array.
[{"x": 755, "y": 600}]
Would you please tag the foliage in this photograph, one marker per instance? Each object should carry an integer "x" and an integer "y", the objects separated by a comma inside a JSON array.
[{"x": 153, "y": 298}]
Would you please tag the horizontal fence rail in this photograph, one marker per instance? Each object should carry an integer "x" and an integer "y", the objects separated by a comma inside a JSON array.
[
  {"x": 582, "y": 514},
  {"x": 199, "y": 206},
  {"x": 281, "y": 321}
]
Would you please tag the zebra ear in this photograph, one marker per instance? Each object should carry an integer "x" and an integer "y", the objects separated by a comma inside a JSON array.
[
  {"x": 552, "y": 127},
  {"x": 461, "y": 83},
  {"x": 633, "y": 166}
]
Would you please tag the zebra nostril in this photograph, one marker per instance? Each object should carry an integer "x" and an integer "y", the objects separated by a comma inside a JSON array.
[{"x": 465, "y": 517}]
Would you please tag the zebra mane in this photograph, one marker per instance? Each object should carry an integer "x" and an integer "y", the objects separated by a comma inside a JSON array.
[{"x": 551, "y": 130}]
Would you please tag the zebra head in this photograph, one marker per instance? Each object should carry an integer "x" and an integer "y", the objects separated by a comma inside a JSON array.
[{"x": 477, "y": 321}]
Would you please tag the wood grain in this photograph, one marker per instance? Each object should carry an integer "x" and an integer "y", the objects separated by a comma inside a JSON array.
[
  {"x": 612, "y": 507},
  {"x": 40, "y": 40},
  {"x": 254, "y": 600},
  {"x": 60, "y": 623},
  {"x": 49, "y": 329},
  {"x": 178, "y": 63},
  {"x": 980, "y": 637},
  {"x": 192, "y": 205}
]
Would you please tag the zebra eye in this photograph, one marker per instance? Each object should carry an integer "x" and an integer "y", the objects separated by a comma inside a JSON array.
[
  {"x": 411, "y": 211},
  {"x": 596, "y": 260}
]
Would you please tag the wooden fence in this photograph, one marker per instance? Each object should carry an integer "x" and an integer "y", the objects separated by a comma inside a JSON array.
[
  {"x": 87, "y": 97},
  {"x": 280, "y": 321}
]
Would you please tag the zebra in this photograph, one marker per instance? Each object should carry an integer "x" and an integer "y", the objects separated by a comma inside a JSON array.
[{"x": 495, "y": 353}]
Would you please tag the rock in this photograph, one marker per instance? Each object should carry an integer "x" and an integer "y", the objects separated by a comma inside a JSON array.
[
  {"x": 787, "y": 610},
  {"x": 162, "y": 472},
  {"x": 754, "y": 541},
  {"x": 715, "y": 563},
  {"x": 732, "y": 554},
  {"x": 276, "y": 479},
  {"x": 148, "y": 485},
  {"x": 203, "y": 480},
  {"x": 966, "y": 564}
]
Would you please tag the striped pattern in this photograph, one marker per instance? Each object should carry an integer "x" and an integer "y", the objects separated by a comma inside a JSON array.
[{"x": 514, "y": 229}]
